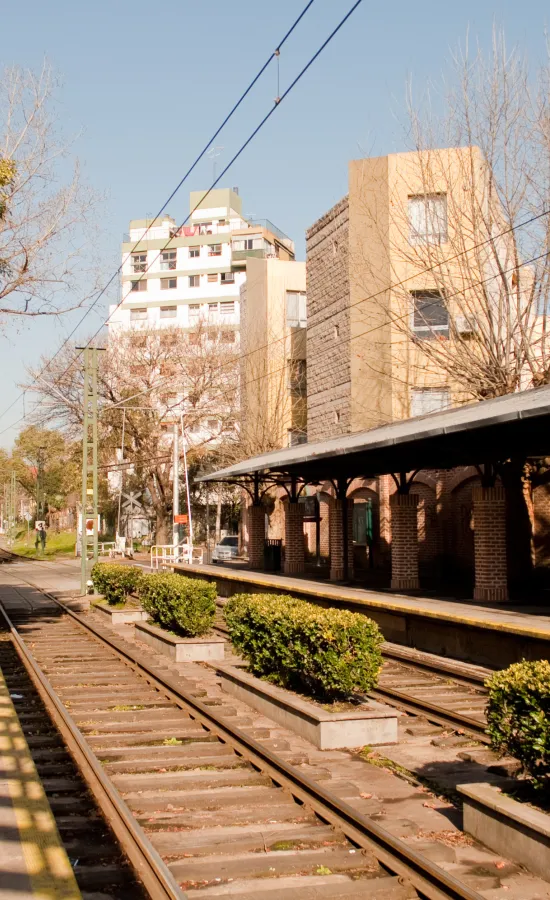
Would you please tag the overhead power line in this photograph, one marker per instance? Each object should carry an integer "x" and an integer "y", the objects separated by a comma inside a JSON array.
[{"x": 274, "y": 55}]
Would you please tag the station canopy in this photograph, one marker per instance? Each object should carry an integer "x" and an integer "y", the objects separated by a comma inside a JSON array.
[{"x": 489, "y": 431}]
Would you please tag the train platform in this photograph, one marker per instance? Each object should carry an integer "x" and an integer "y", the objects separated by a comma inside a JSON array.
[
  {"x": 487, "y": 636},
  {"x": 33, "y": 862}
]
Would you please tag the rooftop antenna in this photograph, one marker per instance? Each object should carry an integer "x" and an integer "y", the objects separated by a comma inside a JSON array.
[{"x": 213, "y": 154}]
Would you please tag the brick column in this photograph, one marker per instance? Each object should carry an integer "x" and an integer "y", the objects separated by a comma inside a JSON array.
[
  {"x": 294, "y": 539},
  {"x": 404, "y": 542},
  {"x": 256, "y": 537},
  {"x": 336, "y": 540},
  {"x": 491, "y": 581}
]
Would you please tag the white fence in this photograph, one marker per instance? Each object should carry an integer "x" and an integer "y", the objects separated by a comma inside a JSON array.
[{"x": 167, "y": 555}]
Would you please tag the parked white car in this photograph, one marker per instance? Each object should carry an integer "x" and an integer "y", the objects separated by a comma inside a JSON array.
[{"x": 228, "y": 548}]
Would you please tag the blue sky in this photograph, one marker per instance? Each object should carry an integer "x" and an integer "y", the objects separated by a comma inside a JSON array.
[{"x": 148, "y": 85}]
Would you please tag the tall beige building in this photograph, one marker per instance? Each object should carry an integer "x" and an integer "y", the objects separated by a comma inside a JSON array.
[
  {"x": 374, "y": 266},
  {"x": 273, "y": 368}
]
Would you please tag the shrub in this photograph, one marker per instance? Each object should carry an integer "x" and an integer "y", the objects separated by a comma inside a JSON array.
[
  {"x": 186, "y": 606},
  {"x": 115, "y": 582},
  {"x": 518, "y": 716},
  {"x": 325, "y": 653}
]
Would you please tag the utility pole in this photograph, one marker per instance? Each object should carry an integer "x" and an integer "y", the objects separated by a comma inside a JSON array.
[
  {"x": 14, "y": 503},
  {"x": 176, "y": 488},
  {"x": 89, "y": 462},
  {"x": 39, "y": 484}
]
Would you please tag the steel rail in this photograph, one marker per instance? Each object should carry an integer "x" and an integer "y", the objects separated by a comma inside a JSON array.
[
  {"x": 440, "y": 715},
  {"x": 150, "y": 869},
  {"x": 393, "y": 854}
]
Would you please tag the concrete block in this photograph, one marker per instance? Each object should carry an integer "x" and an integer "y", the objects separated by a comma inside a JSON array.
[
  {"x": 514, "y": 830},
  {"x": 122, "y": 616},
  {"x": 371, "y": 723},
  {"x": 181, "y": 649}
]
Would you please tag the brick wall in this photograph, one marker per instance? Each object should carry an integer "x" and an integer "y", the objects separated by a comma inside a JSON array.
[
  {"x": 256, "y": 536},
  {"x": 328, "y": 325},
  {"x": 294, "y": 539},
  {"x": 541, "y": 509}
]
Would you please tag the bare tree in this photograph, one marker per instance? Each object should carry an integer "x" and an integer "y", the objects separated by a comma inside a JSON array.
[
  {"x": 44, "y": 250},
  {"x": 468, "y": 234},
  {"x": 147, "y": 380}
]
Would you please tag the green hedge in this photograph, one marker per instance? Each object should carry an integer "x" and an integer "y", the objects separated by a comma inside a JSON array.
[
  {"x": 324, "y": 653},
  {"x": 518, "y": 716},
  {"x": 115, "y": 582},
  {"x": 186, "y": 606}
]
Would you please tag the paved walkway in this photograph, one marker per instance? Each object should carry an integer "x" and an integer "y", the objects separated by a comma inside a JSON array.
[{"x": 33, "y": 862}]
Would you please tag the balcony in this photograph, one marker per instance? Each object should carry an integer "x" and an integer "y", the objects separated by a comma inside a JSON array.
[{"x": 242, "y": 255}]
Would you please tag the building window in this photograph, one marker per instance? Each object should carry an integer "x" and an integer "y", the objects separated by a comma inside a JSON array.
[
  {"x": 139, "y": 285},
  {"x": 215, "y": 250},
  {"x": 138, "y": 341},
  {"x": 212, "y": 309},
  {"x": 212, "y": 278},
  {"x": 194, "y": 312},
  {"x": 227, "y": 337},
  {"x": 296, "y": 309},
  {"x": 168, "y": 284},
  {"x": 295, "y": 437},
  {"x": 194, "y": 280},
  {"x": 138, "y": 315},
  {"x": 297, "y": 376},
  {"x": 212, "y": 424},
  {"x": 194, "y": 252},
  {"x": 139, "y": 262},
  {"x": 428, "y": 219},
  {"x": 168, "y": 260},
  {"x": 430, "y": 315},
  {"x": 227, "y": 307},
  {"x": 336, "y": 331},
  {"x": 228, "y": 278},
  {"x": 221, "y": 222},
  {"x": 243, "y": 244},
  {"x": 168, "y": 312},
  {"x": 429, "y": 400},
  {"x": 194, "y": 338}
]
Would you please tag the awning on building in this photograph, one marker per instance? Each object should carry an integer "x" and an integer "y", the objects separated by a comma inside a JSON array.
[{"x": 488, "y": 431}]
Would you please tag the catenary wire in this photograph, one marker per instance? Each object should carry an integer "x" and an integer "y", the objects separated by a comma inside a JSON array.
[{"x": 274, "y": 55}]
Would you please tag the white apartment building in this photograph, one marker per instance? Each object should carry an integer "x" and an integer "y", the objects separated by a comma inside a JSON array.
[{"x": 179, "y": 276}]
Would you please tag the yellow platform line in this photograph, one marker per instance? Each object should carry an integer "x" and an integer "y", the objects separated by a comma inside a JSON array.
[
  {"x": 490, "y": 624},
  {"x": 47, "y": 865}
]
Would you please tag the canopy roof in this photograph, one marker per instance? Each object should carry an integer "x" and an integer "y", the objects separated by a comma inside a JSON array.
[{"x": 489, "y": 431}]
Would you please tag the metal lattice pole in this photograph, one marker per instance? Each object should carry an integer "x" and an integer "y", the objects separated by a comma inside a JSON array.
[{"x": 89, "y": 463}]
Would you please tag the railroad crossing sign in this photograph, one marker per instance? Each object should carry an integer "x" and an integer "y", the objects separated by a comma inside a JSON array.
[{"x": 131, "y": 502}]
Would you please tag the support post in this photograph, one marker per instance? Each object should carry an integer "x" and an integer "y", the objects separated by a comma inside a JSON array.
[
  {"x": 89, "y": 463},
  {"x": 295, "y": 561},
  {"x": 175, "y": 487},
  {"x": 256, "y": 536},
  {"x": 404, "y": 542},
  {"x": 341, "y": 535},
  {"x": 491, "y": 581}
]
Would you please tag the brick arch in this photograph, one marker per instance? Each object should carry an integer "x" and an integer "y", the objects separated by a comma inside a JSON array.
[
  {"x": 425, "y": 478},
  {"x": 429, "y": 539},
  {"x": 456, "y": 477}
]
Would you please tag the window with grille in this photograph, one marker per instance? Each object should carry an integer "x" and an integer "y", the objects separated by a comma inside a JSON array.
[
  {"x": 212, "y": 309},
  {"x": 296, "y": 309},
  {"x": 139, "y": 285},
  {"x": 168, "y": 259},
  {"x": 168, "y": 284},
  {"x": 215, "y": 250},
  {"x": 168, "y": 312},
  {"x": 227, "y": 307},
  {"x": 138, "y": 315},
  {"x": 194, "y": 280},
  {"x": 428, "y": 219},
  {"x": 429, "y": 400},
  {"x": 228, "y": 277},
  {"x": 139, "y": 262},
  {"x": 430, "y": 315},
  {"x": 194, "y": 310}
]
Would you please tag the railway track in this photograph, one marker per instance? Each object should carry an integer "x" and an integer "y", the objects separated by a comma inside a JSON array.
[{"x": 196, "y": 804}]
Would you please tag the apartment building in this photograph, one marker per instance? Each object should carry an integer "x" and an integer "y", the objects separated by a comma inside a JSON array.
[
  {"x": 178, "y": 277},
  {"x": 379, "y": 266},
  {"x": 273, "y": 343}
]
